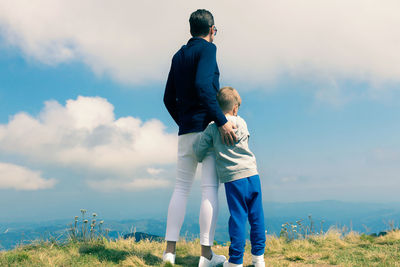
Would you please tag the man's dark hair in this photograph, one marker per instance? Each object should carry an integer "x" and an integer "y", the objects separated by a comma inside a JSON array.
[{"x": 200, "y": 22}]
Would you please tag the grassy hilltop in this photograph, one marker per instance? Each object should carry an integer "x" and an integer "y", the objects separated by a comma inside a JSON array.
[{"x": 332, "y": 248}]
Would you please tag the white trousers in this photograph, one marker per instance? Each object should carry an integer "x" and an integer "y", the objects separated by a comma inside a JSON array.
[{"x": 186, "y": 169}]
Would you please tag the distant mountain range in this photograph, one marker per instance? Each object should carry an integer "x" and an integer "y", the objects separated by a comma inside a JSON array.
[{"x": 361, "y": 217}]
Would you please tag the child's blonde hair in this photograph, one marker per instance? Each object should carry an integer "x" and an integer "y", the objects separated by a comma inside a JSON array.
[{"x": 227, "y": 98}]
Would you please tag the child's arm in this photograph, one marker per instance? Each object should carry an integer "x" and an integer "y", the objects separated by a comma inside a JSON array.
[{"x": 203, "y": 143}]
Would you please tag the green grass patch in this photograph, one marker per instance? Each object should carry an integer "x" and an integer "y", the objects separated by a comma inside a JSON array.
[
  {"x": 17, "y": 257},
  {"x": 294, "y": 258},
  {"x": 369, "y": 238},
  {"x": 330, "y": 249}
]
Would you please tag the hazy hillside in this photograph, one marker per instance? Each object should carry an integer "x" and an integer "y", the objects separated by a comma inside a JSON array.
[{"x": 361, "y": 217}]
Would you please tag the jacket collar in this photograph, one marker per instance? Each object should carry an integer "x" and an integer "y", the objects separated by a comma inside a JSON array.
[{"x": 196, "y": 39}]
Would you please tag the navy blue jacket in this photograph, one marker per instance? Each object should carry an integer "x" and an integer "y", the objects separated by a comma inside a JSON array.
[{"x": 192, "y": 86}]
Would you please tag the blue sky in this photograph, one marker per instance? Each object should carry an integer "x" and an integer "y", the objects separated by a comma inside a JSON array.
[{"x": 82, "y": 123}]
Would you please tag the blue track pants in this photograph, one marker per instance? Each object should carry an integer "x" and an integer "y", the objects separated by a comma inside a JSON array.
[{"x": 245, "y": 202}]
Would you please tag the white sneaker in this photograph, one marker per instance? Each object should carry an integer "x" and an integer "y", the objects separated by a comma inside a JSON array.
[
  {"x": 169, "y": 257},
  {"x": 230, "y": 264},
  {"x": 258, "y": 261},
  {"x": 216, "y": 260}
]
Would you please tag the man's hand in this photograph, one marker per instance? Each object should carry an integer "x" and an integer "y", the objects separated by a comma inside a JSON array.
[{"x": 228, "y": 135}]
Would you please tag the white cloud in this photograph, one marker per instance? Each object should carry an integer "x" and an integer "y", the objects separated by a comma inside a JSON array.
[
  {"x": 84, "y": 134},
  {"x": 133, "y": 41},
  {"x": 154, "y": 171},
  {"x": 109, "y": 185},
  {"x": 332, "y": 94},
  {"x": 20, "y": 178},
  {"x": 289, "y": 179}
]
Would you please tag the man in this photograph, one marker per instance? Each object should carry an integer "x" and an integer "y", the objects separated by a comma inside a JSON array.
[{"x": 190, "y": 98}]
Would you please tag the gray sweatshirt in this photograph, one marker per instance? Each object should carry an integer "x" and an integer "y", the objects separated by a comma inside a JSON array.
[{"x": 232, "y": 162}]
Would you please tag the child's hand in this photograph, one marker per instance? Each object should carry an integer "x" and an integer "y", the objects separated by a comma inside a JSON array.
[{"x": 227, "y": 132}]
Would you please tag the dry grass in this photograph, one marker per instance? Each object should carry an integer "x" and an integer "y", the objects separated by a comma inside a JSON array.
[{"x": 330, "y": 249}]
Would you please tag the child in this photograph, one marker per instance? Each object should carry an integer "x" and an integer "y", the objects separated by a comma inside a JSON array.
[{"x": 237, "y": 169}]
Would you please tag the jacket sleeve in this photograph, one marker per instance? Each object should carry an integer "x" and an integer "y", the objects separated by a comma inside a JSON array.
[
  {"x": 203, "y": 143},
  {"x": 170, "y": 96},
  {"x": 206, "y": 67}
]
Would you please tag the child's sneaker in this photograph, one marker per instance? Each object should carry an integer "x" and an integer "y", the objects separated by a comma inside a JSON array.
[
  {"x": 216, "y": 260},
  {"x": 258, "y": 261},
  {"x": 230, "y": 264},
  {"x": 168, "y": 257}
]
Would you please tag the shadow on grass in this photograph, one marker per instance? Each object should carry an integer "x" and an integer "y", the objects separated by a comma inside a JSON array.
[
  {"x": 149, "y": 258},
  {"x": 103, "y": 253},
  {"x": 115, "y": 255},
  {"x": 188, "y": 260}
]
